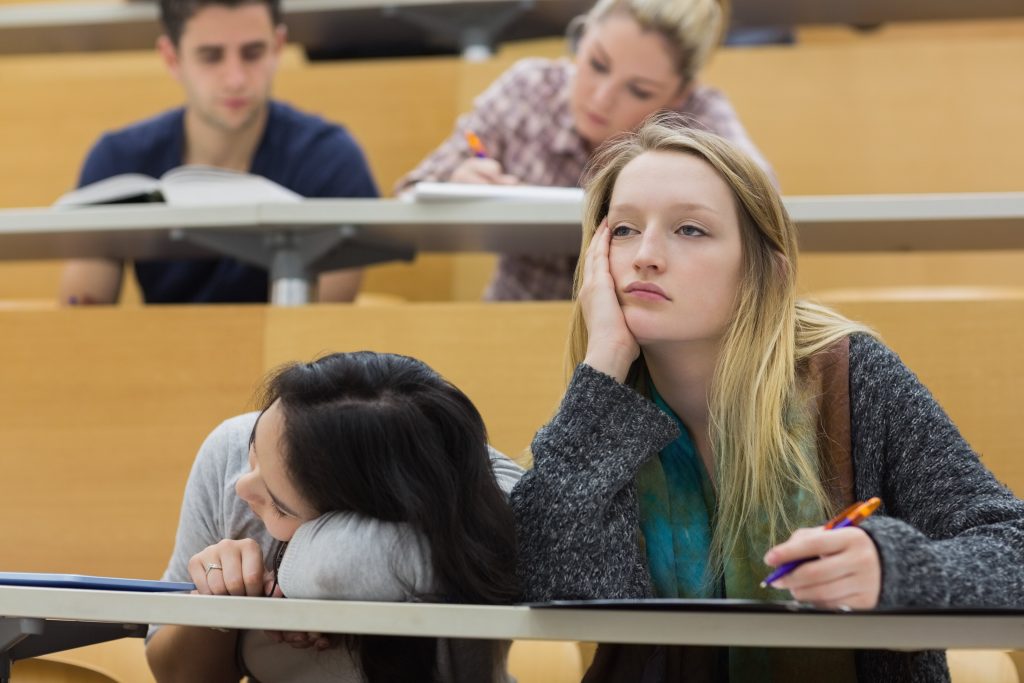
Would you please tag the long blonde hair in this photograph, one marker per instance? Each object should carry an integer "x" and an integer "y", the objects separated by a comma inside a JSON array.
[
  {"x": 692, "y": 28},
  {"x": 761, "y": 457}
]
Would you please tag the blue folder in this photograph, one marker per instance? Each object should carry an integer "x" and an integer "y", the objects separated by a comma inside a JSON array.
[{"x": 106, "y": 583}]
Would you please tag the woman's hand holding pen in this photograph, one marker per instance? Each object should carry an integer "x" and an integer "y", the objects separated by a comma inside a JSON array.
[
  {"x": 611, "y": 347},
  {"x": 482, "y": 172},
  {"x": 480, "y": 169},
  {"x": 846, "y": 573}
]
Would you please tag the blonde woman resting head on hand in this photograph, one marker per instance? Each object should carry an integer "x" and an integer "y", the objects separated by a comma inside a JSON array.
[
  {"x": 541, "y": 121},
  {"x": 713, "y": 421}
]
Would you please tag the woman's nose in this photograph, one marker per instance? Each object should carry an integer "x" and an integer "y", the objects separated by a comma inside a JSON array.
[
  {"x": 604, "y": 96},
  {"x": 650, "y": 252},
  {"x": 243, "y": 487}
]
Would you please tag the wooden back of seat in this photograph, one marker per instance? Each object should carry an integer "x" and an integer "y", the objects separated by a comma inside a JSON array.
[
  {"x": 103, "y": 410},
  {"x": 931, "y": 109}
]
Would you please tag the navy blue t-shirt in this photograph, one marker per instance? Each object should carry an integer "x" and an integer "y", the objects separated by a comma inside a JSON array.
[{"x": 304, "y": 153}]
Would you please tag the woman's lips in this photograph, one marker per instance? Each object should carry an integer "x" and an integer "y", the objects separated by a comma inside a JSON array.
[{"x": 648, "y": 291}]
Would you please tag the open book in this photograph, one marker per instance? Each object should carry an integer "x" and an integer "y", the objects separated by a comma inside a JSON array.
[
  {"x": 182, "y": 186},
  {"x": 427, "y": 191}
]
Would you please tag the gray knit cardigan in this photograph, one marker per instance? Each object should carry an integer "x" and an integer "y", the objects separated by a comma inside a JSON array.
[{"x": 949, "y": 534}]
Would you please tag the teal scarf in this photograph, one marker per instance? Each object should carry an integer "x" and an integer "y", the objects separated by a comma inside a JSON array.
[
  {"x": 677, "y": 516},
  {"x": 677, "y": 506}
]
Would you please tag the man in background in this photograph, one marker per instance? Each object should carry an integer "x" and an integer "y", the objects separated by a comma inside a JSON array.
[{"x": 224, "y": 53}]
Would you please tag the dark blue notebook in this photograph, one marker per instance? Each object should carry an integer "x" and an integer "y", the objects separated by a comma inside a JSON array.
[
  {"x": 105, "y": 583},
  {"x": 734, "y": 605}
]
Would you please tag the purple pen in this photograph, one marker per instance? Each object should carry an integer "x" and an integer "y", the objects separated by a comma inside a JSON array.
[{"x": 851, "y": 516}]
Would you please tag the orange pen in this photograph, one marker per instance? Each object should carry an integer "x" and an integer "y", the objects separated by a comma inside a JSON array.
[
  {"x": 474, "y": 144},
  {"x": 851, "y": 516}
]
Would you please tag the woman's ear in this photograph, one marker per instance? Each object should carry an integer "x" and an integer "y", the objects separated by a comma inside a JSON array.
[{"x": 574, "y": 33}]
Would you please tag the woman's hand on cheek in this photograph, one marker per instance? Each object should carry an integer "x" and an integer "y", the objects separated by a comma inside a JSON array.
[
  {"x": 229, "y": 567},
  {"x": 611, "y": 347},
  {"x": 846, "y": 573}
]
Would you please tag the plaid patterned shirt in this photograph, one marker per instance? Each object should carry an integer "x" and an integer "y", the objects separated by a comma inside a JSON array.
[{"x": 525, "y": 122}]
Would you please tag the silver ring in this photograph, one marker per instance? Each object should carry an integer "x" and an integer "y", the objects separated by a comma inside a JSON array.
[{"x": 210, "y": 566}]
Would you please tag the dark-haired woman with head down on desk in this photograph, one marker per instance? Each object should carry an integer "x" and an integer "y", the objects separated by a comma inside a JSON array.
[
  {"x": 365, "y": 476},
  {"x": 713, "y": 422},
  {"x": 541, "y": 121}
]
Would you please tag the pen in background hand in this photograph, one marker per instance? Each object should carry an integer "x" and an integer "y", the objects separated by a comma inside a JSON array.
[
  {"x": 474, "y": 144},
  {"x": 851, "y": 516}
]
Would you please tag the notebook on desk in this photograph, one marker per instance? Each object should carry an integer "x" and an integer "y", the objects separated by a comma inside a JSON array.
[
  {"x": 107, "y": 583},
  {"x": 428, "y": 191},
  {"x": 681, "y": 605},
  {"x": 735, "y": 605}
]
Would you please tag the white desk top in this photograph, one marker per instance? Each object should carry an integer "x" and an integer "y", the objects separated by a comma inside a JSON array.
[
  {"x": 467, "y": 621},
  {"x": 147, "y": 230},
  {"x": 826, "y": 223}
]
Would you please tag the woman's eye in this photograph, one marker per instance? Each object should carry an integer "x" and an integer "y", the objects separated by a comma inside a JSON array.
[
  {"x": 691, "y": 231},
  {"x": 639, "y": 93},
  {"x": 599, "y": 67},
  {"x": 622, "y": 231}
]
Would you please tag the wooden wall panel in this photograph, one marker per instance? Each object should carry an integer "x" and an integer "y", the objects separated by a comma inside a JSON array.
[
  {"x": 967, "y": 352},
  {"x": 101, "y": 415},
  {"x": 883, "y": 116},
  {"x": 103, "y": 410},
  {"x": 506, "y": 357},
  {"x": 922, "y": 108}
]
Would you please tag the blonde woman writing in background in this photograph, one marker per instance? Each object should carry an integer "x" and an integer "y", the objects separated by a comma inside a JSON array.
[
  {"x": 542, "y": 119},
  {"x": 713, "y": 422}
]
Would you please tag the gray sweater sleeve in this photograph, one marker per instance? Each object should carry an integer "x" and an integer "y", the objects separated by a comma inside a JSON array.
[
  {"x": 205, "y": 514},
  {"x": 576, "y": 510},
  {"x": 202, "y": 520},
  {"x": 948, "y": 534},
  {"x": 349, "y": 556}
]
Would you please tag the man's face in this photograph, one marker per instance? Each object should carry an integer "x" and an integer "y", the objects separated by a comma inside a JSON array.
[{"x": 225, "y": 61}]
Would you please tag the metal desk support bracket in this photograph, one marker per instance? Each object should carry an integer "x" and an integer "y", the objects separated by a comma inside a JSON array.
[
  {"x": 294, "y": 258},
  {"x": 22, "y": 638},
  {"x": 475, "y": 30},
  {"x": 12, "y": 632}
]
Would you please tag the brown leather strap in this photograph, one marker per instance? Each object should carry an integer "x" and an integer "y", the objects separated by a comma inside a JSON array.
[{"x": 827, "y": 377}]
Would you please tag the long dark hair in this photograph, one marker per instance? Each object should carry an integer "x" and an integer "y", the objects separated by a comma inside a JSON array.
[{"x": 385, "y": 436}]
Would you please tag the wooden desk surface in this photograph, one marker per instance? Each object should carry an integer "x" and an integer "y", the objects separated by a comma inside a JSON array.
[
  {"x": 889, "y": 631},
  {"x": 853, "y": 223}
]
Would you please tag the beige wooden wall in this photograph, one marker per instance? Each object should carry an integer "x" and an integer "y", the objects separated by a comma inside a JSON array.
[
  {"x": 930, "y": 108},
  {"x": 103, "y": 410}
]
